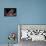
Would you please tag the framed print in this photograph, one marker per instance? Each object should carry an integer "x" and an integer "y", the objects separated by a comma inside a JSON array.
[{"x": 9, "y": 11}]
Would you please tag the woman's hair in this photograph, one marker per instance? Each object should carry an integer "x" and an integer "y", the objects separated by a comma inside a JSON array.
[{"x": 7, "y": 10}]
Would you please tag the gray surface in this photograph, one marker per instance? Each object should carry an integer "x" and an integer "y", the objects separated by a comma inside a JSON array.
[
  {"x": 28, "y": 43},
  {"x": 7, "y": 45},
  {"x": 39, "y": 43},
  {"x": 34, "y": 43}
]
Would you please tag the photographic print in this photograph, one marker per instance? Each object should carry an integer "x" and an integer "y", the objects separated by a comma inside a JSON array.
[{"x": 9, "y": 11}]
